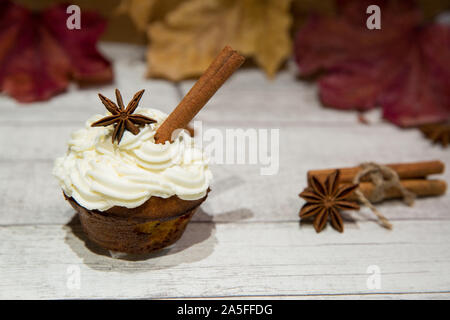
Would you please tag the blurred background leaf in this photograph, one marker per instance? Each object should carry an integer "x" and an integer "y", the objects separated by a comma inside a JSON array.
[
  {"x": 121, "y": 28},
  {"x": 40, "y": 55},
  {"x": 143, "y": 12},
  {"x": 184, "y": 35},
  {"x": 302, "y": 9},
  {"x": 186, "y": 41},
  {"x": 431, "y": 8},
  {"x": 136, "y": 14}
]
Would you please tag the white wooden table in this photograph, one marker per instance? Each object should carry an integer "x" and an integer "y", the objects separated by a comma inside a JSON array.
[{"x": 246, "y": 241}]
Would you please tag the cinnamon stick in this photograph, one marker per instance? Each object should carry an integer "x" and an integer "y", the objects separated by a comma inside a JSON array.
[
  {"x": 411, "y": 170},
  {"x": 223, "y": 66},
  {"x": 420, "y": 187}
]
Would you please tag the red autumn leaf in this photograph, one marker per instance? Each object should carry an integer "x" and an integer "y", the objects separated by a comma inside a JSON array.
[
  {"x": 404, "y": 67},
  {"x": 39, "y": 54}
]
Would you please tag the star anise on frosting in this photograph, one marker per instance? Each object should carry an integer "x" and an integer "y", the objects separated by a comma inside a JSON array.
[
  {"x": 437, "y": 132},
  {"x": 324, "y": 200},
  {"x": 122, "y": 118}
]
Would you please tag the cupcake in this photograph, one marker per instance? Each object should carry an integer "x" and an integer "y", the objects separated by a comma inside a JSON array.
[
  {"x": 132, "y": 194},
  {"x": 134, "y": 179}
]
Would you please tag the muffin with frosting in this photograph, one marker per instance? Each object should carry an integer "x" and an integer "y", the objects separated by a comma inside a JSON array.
[{"x": 132, "y": 194}]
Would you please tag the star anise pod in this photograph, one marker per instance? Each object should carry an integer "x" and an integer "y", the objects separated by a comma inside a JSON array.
[
  {"x": 122, "y": 118},
  {"x": 437, "y": 132},
  {"x": 325, "y": 200}
]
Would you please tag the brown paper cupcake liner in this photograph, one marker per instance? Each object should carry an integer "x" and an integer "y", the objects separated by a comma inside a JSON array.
[{"x": 134, "y": 235}]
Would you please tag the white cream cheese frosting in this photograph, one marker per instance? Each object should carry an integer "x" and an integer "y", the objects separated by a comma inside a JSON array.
[{"x": 99, "y": 174}]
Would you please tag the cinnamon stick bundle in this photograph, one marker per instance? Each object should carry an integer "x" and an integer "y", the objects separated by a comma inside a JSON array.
[
  {"x": 412, "y": 176},
  {"x": 225, "y": 64},
  {"x": 412, "y": 170}
]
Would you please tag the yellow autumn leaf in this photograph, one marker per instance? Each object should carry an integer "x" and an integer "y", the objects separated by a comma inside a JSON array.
[
  {"x": 138, "y": 10},
  {"x": 190, "y": 36},
  {"x": 142, "y": 12}
]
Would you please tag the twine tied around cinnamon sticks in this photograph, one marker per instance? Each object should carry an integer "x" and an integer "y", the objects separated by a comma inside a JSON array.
[{"x": 383, "y": 178}]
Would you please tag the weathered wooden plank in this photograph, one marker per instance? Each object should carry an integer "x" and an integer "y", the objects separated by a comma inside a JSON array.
[
  {"x": 328, "y": 145},
  {"x": 366, "y": 296},
  {"x": 30, "y": 194},
  {"x": 249, "y": 96},
  {"x": 230, "y": 259}
]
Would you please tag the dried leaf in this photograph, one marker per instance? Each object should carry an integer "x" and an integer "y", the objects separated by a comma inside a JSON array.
[
  {"x": 138, "y": 10},
  {"x": 437, "y": 132},
  {"x": 432, "y": 8},
  {"x": 184, "y": 44},
  {"x": 142, "y": 12},
  {"x": 302, "y": 9},
  {"x": 400, "y": 67},
  {"x": 39, "y": 54}
]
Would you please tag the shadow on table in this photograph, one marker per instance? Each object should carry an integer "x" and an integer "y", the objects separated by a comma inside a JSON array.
[
  {"x": 349, "y": 222},
  {"x": 199, "y": 233}
]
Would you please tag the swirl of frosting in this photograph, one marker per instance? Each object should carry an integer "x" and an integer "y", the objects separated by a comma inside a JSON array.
[{"x": 100, "y": 175}]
